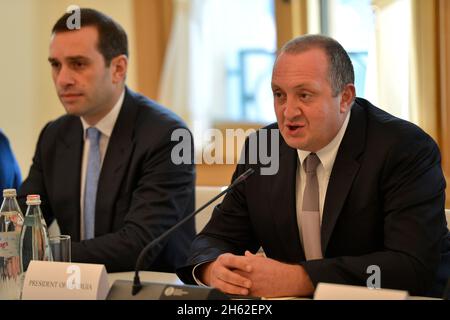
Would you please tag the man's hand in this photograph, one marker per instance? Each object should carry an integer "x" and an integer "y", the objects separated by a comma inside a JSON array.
[
  {"x": 271, "y": 278},
  {"x": 227, "y": 273},
  {"x": 256, "y": 275}
]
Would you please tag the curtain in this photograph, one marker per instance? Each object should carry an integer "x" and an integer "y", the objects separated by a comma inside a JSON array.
[
  {"x": 392, "y": 42},
  {"x": 291, "y": 19},
  {"x": 174, "y": 88},
  {"x": 428, "y": 61},
  {"x": 424, "y": 84},
  {"x": 194, "y": 71},
  {"x": 153, "y": 22}
]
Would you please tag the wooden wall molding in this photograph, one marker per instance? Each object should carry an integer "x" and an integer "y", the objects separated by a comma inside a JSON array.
[
  {"x": 444, "y": 70},
  {"x": 291, "y": 19}
]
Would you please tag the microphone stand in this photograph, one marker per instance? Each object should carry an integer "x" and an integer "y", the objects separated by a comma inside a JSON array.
[{"x": 137, "y": 286}]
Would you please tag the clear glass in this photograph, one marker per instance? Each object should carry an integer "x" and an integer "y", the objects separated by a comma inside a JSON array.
[
  {"x": 11, "y": 222},
  {"x": 60, "y": 247}
]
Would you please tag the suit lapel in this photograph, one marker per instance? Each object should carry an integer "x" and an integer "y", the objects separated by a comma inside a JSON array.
[
  {"x": 344, "y": 171},
  {"x": 68, "y": 169},
  {"x": 283, "y": 204},
  {"x": 115, "y": 165}
]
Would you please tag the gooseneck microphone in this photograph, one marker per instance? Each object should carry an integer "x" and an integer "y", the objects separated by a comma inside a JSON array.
[{"x": 137, "y": 286}]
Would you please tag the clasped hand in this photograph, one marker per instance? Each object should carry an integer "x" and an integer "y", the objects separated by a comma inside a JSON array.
[{"x": 256, "y": 275}]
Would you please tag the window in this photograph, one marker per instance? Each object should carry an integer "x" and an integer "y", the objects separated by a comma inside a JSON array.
[
  {"x": 249, "y": 55},
  {"x": 352, "y": 23},
  {"x": 377, "y": 36},
  {"x": 219, "y": 62}
]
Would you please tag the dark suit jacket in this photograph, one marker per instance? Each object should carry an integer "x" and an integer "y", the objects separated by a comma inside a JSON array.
[
  {"x": 384, "y": 206},
  {"x": 141, "y": 192},
  {"x": 10, "y": 176}
]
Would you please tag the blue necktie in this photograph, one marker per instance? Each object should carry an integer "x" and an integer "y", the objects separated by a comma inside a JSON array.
[{"x": 92, "y": 175}]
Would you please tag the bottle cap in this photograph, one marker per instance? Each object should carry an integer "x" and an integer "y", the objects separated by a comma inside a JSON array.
[
  {"x": 33, "y": 199},
  {"x": 9, "y": 193}
]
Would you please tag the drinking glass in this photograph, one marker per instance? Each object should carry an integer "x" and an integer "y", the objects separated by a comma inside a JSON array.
[{"x": 60, "y": 246}]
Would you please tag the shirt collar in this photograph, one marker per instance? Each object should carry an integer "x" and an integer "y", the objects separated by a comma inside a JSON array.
[
  {"x": 106, "y": 124},
  {"x": 327, "y": 154}
]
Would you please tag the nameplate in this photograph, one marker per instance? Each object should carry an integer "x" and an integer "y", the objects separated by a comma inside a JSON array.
[
  {"x": 329, "y": 291},
  {"x": 46, "y": 280}
]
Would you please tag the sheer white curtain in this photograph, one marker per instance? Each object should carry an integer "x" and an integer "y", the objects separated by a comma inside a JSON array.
[
  {"x": 174, "y": 85},
  {"x": 194, "y": 71},
  {"x": 393, "y": 43}
]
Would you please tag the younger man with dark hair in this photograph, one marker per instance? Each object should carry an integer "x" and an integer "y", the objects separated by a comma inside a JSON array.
[{"x": 104, "y": 170}]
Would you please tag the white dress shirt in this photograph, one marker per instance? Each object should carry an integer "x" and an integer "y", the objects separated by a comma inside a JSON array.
[
  {"x": 105, "y": 126},
  {"x": 327, "y": 155}
]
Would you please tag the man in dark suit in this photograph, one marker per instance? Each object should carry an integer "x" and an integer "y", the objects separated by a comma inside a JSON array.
[
  {"x": 104, "y": 170},
  {"x": 376, "y": 216},
  {"x": 10, "y": 176}
]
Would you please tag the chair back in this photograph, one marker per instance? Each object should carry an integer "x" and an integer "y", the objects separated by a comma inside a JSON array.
[{"x": 202, "y": 195}]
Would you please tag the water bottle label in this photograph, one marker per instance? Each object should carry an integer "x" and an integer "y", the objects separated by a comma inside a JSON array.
[
  {"x": 11, "y": 216},
  {"x": 9, "y": 244},
  {"x": 30, "y": 221}
]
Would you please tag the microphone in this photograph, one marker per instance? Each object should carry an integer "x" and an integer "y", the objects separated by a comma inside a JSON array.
[{"x": 161, "y": 288}]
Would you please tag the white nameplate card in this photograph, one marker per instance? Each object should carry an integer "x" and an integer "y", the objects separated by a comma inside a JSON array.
[
  {"x": 47, "y": 280},
  {"x": 329, "y": 291}
]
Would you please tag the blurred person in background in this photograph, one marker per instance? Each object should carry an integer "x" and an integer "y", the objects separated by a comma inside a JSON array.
[{"x": 10, "y": 176}]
